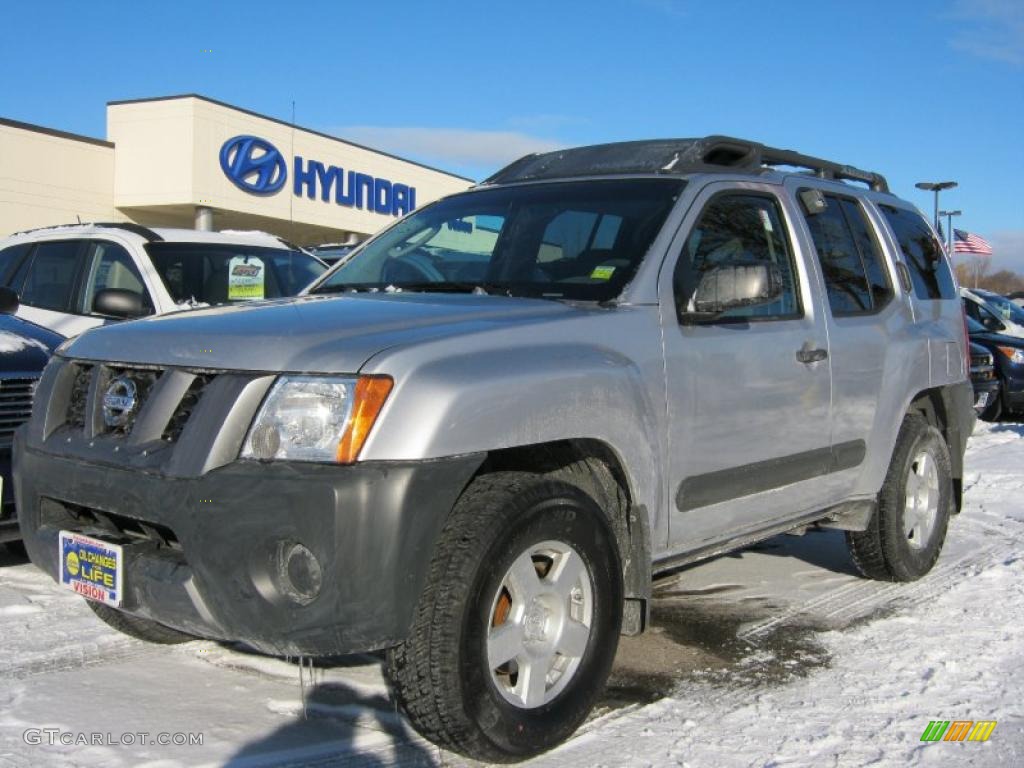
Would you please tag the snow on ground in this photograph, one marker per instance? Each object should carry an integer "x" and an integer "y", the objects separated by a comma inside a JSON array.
[{"x": 775, "y": 656}]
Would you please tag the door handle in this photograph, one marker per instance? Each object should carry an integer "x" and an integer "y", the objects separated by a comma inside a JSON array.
[{"x": 808, "y": 355}]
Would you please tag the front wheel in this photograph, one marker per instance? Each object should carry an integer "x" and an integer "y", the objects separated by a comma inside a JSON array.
[
  {"x": 517, "y": 628},
  {"x": 906, "y": 534}
]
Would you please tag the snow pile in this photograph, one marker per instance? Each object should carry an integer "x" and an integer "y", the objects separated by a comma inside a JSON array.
[{"x": 776, "y": 656}]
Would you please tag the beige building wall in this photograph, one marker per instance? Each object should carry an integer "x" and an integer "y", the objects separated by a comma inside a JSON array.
[
  {"x": 161, "y": 163},
  {"x": 50, "y": 177},
  {"x": 168, "y": 159}
]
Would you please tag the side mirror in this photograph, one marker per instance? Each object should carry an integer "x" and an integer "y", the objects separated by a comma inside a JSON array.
[
  {"x": 115, "y": 302},
  {"x": 734, "y": 284},
  {"x": 8, "y": 301},
  {"x": 991, "y": 323}
]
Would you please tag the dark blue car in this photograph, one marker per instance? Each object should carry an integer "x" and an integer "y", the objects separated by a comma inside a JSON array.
[
  {"x": 1008, "y": 354},
  {"x": 24, "y": 350}
]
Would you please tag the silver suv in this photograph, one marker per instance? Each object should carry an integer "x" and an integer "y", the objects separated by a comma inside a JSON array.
[{"x": 476, "y": 439}]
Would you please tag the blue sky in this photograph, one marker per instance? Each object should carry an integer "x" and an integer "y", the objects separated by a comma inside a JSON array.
[{"x": 917, "y": 90}]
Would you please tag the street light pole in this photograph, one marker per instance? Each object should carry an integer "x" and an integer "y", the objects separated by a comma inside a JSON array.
[
  {"x": 949, "y": 229},
  {"x": 936, "y": 187}
]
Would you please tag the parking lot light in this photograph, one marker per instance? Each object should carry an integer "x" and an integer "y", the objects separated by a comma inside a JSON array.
[{"x": 936, "y": 187}]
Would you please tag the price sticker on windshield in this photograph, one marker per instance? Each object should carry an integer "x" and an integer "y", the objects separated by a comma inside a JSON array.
[{"x": 246, "y": 278}]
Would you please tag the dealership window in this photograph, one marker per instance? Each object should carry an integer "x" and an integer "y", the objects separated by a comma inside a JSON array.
[
  {"x": 50, "y": 278},
  {"x": 922, "y": 252},
  {"x": 851, "y": 261},
  {"x": 739, "y": 228},
  {"x": 110, "y": 267}
]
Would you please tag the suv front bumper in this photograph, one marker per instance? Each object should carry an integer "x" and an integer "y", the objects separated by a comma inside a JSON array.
[{"x": 203, "y": 554}]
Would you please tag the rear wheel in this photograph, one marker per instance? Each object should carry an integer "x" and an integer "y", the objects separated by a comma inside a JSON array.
[
  {"x": 139, "y": 628},
  {"x": 517, "y": 628},
  {"x": 907, "y": 532}
]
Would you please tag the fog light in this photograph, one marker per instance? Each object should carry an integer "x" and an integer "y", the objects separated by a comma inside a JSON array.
[{"x": 299, "y": 573}]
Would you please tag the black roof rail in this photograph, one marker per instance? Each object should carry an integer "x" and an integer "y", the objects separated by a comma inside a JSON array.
[
  {"x": 711, "y": 154},
  {"x": 825, "y": 169},
  {"x": 128, "y": 226}
]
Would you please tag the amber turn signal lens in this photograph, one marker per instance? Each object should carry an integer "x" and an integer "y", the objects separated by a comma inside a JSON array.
[{"x": 371, "y": 392}]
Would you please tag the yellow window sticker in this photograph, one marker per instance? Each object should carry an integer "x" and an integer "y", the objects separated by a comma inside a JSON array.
[
  {"x": 602, "y": 273},
  {"x": 246, "y": 278}
]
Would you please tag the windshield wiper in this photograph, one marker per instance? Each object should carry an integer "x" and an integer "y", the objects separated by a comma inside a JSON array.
[
  {"x": 344, "y": 288},
  {"x": 446, "y": 286}
]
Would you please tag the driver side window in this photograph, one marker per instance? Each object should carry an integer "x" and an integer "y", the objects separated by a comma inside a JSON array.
[
  {"x": 111, "y": 266},
  {"x": 738, "y": 228}
]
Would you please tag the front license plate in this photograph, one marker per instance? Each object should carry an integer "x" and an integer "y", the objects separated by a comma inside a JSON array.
[
  {"x": 982, "y": 400},
  {"x": 91, "y": 567}
]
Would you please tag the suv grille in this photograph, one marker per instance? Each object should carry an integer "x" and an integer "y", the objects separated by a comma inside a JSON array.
[
  {"x": 79, "y": 396},
  {"x": 122, "y": 394},
  {"x": 185, "y": 407},
  {"x": 15, "y": 406}
]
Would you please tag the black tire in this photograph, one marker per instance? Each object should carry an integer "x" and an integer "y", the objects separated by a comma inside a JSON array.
[
  {"x": 140, "y": 629},
  {"x": 885, "y": 551},
  {"x": 440, "y": 676},
  {"x": 16, "y": 549}
]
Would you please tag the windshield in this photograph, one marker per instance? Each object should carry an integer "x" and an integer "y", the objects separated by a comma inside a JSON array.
[
  {"x": 573, "y": 240},
  {"x": 220, "y": 273},
  {"x": 1003, "y": 307}
]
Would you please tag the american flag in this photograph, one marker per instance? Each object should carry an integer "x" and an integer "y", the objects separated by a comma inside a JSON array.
[{"x": 965, "y": 242}]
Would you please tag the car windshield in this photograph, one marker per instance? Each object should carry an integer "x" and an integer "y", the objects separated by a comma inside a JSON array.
[
  {"x": 221, "y": 273},
  {"x": 568, "y": 240},
  {"x": 1003, "y": 307}
]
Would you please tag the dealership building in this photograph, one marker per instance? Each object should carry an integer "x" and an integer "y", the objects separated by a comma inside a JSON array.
[{"x": 189, "y": 161}]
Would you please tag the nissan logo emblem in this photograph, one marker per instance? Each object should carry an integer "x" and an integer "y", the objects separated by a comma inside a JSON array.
[
  {"x": 253, "y": 165},
  {"x": 119, "y": 402}
]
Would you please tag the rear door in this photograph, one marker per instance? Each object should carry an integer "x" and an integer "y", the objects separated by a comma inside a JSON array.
[
  {"x": 46, "y": 285},
  {"x": 937, "y": 307},
  {"x": 748, "y": 422},
  {"x": 864, "y": 320}
]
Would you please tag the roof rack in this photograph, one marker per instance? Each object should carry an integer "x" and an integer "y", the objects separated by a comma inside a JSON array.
[
  {"x": 712, "y": 154},
  {"x": 127, "y": 226}
]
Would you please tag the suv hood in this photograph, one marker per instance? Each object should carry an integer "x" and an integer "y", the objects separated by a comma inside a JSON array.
[{"x": 321, "y": 334}]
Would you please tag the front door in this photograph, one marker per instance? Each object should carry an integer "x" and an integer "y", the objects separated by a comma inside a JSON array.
[{"x": 748, "y": 392}]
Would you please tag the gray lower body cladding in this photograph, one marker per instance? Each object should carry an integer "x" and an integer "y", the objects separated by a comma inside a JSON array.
[{"x": 203, "y": 554}]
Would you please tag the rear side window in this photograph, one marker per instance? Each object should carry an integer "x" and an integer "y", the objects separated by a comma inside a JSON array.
[
  {"x": 922, "y": 252},
  {"x": 51, "y": 276},
  {"x": 851, "y": 261},
  {"x": 10, "y": 258}
]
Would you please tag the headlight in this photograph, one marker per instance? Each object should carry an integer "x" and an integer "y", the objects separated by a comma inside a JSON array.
[
  {"x": 1016, "y": 355},
  {"x": 316, "y": 418}
]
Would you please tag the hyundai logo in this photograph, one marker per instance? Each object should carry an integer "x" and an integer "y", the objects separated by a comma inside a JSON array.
[
  {"x": 119, "y": 402},
  {"x": 253, "y": 165}
]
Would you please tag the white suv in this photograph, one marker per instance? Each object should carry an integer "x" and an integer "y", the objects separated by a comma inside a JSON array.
[{"x": 72, "y": 278}]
